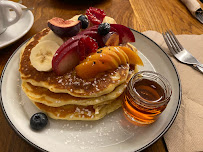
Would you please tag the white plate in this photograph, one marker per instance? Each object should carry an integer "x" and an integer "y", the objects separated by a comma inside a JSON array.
[
  {"x": 113, "y": 133},
  {"x": 17, "y": 30}
]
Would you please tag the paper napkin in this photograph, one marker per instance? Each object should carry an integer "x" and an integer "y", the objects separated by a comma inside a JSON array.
[{"x": 186, "y": 133}]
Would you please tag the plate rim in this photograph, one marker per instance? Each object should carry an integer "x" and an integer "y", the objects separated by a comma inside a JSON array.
[
  {"x": 142, "y": 148},
  {"x": 179, "y": 99}
]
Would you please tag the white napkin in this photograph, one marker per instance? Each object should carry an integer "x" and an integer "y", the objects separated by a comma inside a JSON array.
[{"x": 186, "y": 134}]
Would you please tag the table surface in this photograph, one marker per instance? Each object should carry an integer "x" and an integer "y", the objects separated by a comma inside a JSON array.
[{"x": 141, "y": 15}]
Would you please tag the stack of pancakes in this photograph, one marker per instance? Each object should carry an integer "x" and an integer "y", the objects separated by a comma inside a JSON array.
[{"x": 68, "y": 96}]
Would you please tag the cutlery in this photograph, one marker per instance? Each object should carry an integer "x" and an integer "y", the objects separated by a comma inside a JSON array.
[
  {"x": 195, "y": 9},
  {"x": 180, "y": 53}
]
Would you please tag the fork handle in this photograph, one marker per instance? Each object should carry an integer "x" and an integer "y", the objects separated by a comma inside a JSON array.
[
  {"x": 199, "y": 68},
  {"x": 192, "y": 5}
]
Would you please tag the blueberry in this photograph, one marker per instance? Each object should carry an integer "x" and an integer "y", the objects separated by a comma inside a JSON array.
[
  {"x": 103, "y": 29},
  {"x": 38, "y": 121},
  {"x": 84, "y": 21}
]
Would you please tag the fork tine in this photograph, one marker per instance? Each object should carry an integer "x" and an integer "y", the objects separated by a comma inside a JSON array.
[
  {"x": 181, "y": 47},
  {"x": 168, "y": 44},
  {"x": 200, "y": 17},
  {"x": 175, "y": 46}
]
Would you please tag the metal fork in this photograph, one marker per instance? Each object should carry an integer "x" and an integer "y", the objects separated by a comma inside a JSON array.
[
  {"x": 179, "y": 52},
  {"x": 199, "y": 15}
]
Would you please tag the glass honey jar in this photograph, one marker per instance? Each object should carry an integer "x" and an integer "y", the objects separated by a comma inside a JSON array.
[{"x": 146, "y": 97}]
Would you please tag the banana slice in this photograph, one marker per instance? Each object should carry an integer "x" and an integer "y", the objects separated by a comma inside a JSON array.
[
  {"x": 53, "y": 37},
  {"x": 75, "y": 18},
  {"x": 42, "y": 54},
  {"x": 109, "y": 20}
]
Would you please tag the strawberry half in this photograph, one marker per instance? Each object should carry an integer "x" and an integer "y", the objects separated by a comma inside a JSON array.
[
  {"x": 86, "y": 45},
  {"x": 95, "y": 15}
]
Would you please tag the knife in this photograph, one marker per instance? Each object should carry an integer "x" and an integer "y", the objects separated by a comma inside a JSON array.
[{"x": 195, "y": 9}]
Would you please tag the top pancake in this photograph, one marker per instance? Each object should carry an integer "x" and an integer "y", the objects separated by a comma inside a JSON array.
[{"x": 68, "y": 83}]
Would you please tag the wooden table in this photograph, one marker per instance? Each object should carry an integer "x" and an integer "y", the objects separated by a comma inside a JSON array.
[{"x": 141, "y": 15}]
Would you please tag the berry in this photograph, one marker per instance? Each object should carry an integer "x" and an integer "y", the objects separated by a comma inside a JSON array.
[
  {"x": 95, "y": 15},
  {"x": 103, "y": 29},
  {"x": 86, "y": 45},
  {"x": 84, "y": 21},
  {"x": 38, "y": 121}
]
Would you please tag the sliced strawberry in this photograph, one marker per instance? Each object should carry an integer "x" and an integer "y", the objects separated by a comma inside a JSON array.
[
  {"x": 95, "y": 15},
  {"x": 86, "y": 45}
]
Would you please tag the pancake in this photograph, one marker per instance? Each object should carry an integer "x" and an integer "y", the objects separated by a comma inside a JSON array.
[
  {"x": 76, "y": 112},
  {"x": 69, "y": 83},
  {"x": 43, "y": 95}
]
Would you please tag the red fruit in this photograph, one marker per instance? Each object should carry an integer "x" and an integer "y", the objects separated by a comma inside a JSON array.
[
  {"x": 66, "y": 59},
  {"x": 125, "y": 34},
  {"x": 69, "y": 42},
  {"x": 95, "y": 15},
  {"x": 111, "y": 39},
  {"x": 64, "y": 28},
  {"x": 86, "y": 45},
  {"x": 94, "y": 35},
  {"x": 93, "y": 28}
]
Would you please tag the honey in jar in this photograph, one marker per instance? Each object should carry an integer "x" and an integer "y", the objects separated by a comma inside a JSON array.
[{"x": 146, "y": 97}]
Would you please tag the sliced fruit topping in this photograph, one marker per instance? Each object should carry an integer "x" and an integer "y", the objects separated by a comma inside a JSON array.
[
  {"x": 94, "y": 35},
  {"x": 104, "y": 58},
  {"x": 125, "y": 34},
  {"x": 84, "y": 21},
  {"x": 92, "y": 28},
  {"x": 103, "y": 29},
  {"x": 64, "y": 28},
  {"x": 86, "y": 45},
  {"x": 125, "y": 55},
  {"x": 120, "y": 53},
  {"x": 53, "y": 37},
  {"x": 38, "y": 121},
  {"x": 66, "y": 59},
  {"x": 69, "y": 42},
  {"x": 95, "y": 15},
  {"x": 111, "y": 39},
  {"x": 133, "y": 56},
  {"x": 108, "y": 19},
  {"x": 90, "y": 69},
  {"x": 41, "y": 55},
  {"x": 111, "y": 53}
]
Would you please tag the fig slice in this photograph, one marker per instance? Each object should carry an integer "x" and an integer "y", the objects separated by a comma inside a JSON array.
[{"x": 63, "y": 27}]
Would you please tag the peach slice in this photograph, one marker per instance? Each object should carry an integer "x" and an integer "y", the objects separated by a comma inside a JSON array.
[
  {"x": 120, "y": 53},
  {"x": 133, "y": 56},
  {"x": 126, "y": 57},
  {"x": 90, "y": 69},
  {"x": 108, "y": 51},
  {"x": 104, "y": 58}
]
